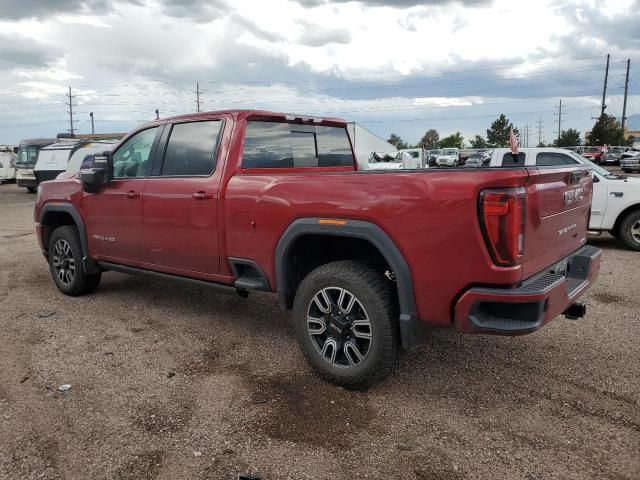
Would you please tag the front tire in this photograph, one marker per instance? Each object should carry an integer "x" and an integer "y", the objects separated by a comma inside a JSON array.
[
  {"x": 630, "y": 230},
  {"x": 65, "y": 263},
  {"x": 31, "y": 189},
  {"x": 345, "y": 324}
]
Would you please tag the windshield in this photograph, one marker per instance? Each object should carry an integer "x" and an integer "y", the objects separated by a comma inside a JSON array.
[
  {"x": 449, "y": 151},
  {"x": 597, "y": 168},
  {"x": 435, "y": 152},
  {"x": 592, "y": 150},
  {"x": 27, "y": 155}
]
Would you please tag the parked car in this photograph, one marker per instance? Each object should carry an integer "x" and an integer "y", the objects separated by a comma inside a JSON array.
[
  {"x": 432, "y": 157},
  {"x": 630, "y": 163},
  {"x": 613, "y": 155},
  {"x": 53, "y": 159},
  {"x": 7, "y": 164},
  {"x": 367, "y": 261},
  {"x": 475, "y": 160},
  {"x": 594, "y": 153},
  {"x": 616, "y": 199},
  {"x": 449, "y": 157}
]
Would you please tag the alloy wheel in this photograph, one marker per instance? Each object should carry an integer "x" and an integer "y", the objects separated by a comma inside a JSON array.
[
  {"x": 339, "y": 327},
  {"x": 635, "y": 231},
  {"x": 63, "y": 262}
]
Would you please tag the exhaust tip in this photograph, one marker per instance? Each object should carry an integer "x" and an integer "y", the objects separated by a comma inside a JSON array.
[{"x": 575, "y": 311}]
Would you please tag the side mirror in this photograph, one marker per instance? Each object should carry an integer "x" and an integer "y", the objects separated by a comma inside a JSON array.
[{"x": 98, "y": 174}]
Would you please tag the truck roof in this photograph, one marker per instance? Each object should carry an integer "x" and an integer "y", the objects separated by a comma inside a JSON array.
[{"x": 258, "y": 115}]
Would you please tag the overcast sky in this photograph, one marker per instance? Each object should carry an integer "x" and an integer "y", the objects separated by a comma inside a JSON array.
[{"x": 395, "y": 66}]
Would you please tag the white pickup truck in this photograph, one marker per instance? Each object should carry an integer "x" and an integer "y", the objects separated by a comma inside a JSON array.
[{"x": 615, "y": 206}]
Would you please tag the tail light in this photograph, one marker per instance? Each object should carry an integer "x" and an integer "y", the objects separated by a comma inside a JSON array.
[{"x": 502, "y": 219}]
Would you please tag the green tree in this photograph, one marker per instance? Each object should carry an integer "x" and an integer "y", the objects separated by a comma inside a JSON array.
[
  {"x": 630, "y": 140},
  {"x": 397, "y": 141},
  {"x": 606, "y": 131},
  {"x": 568, "y": 138},
  {"x": 455, "y": 140},
  {"x": 498, "y": 134},
  {"x": 430, "y": 140},
  {"x": 478, "y": 142}
]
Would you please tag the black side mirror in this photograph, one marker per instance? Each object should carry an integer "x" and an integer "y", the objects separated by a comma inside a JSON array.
[{"x": 99, "y": 174}]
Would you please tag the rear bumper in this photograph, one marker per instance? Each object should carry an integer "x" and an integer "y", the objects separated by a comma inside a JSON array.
[
  {"x": 27, "y": 182},
  {"x": 525, "y": 309}
]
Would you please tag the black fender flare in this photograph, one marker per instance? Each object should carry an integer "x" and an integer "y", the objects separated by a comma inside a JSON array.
[
  {"x": 88, "y": 264},
  {"x": 412, "y": 330}
]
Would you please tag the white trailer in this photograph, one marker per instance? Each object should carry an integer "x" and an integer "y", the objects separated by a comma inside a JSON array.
[{"x": 365, "y": 143}]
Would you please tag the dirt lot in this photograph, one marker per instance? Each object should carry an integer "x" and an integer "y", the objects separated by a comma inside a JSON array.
[{"x": 170, "y": 382}]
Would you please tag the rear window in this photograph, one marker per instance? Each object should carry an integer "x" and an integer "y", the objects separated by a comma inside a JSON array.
[
  {"x": 289, "y": 145},
  {"x": 513, "y": 160}
]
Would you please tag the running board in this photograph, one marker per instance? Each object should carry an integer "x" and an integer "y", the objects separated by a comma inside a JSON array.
[{"x": 168, "y": 277}]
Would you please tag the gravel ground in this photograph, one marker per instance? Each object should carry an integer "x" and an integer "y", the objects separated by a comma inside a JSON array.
[{"x": 171, "y": 382}]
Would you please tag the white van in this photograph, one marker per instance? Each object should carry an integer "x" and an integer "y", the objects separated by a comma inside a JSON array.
[
  {"x": 7, "y": 164},
  {"x": 53, "y": 159},
  {"x": 79, "y": 156}
]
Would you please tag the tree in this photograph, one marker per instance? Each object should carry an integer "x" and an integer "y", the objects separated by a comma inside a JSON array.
[
  {"x": 498, "y": 134},
  {"x": 430, "y": 140},
  {"x": 568, "y": 138},
  {"x": 397, "y": 141},
  {"x": 606, "y": 131},
  {"x": 478, "y": 142},
  {"x": 455, "y": 140}
]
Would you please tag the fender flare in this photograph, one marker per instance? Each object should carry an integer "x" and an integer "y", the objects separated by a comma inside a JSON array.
[
  {"x": 88, "y": 264},
  {"x": 412, "y": 330}
]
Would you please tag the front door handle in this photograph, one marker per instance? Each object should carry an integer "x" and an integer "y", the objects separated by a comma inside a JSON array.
[
  {"x": 132, "y": 194},
  {"x": 202, "y": 196}
]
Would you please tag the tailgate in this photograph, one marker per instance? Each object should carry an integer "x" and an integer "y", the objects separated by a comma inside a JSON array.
[{"x": 558, "y": 209}]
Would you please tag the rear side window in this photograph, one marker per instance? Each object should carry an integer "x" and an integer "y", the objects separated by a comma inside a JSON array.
[
  {"x": 554, "y": 159},
  {"x": 289, "y": 145},
  {"x": 191, "y": 150},
  {"x": 513, "y": 160}
]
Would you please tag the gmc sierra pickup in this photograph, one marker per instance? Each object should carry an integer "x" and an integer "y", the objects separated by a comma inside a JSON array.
[{"x": 368, "y": 261}]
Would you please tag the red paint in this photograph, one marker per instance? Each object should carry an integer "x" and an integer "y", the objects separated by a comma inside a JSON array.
[{"x": 431, "y": 215}]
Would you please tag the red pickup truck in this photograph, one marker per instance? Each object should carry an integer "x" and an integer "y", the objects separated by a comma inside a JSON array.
[{"x": 368, "y": 261}]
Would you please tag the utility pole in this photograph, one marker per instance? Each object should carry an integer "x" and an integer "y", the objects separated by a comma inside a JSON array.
[
  {"x": 70, "y": 111},
  {"x": 559, "y": 114},
  {"x": 198, "y": 92},
  {"x": 93, "y": 130},
  {"x": 526, "y": 135},
  {"x": 157, "y": 114},
  {"x": 539, "y": 130},
  {"x": 604, "y": 90},
  {"x": 626, "y": 91}
]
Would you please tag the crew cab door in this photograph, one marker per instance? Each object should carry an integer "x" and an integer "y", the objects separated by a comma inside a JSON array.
[
  {"x": 180, "y": 204},
  {"x": 113, "y": 216}
]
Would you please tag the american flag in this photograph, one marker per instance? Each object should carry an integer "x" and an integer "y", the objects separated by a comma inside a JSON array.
[{"x": 513, "y": 141}]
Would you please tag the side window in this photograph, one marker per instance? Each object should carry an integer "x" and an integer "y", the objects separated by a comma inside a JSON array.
[
  {"x": 289, "y": 145},
  {"x": 191, "y": 149},
  {"x": 131, "y": 160},
  {"x": 511, "y": 160},
  {"x": 553, "y": 159}
]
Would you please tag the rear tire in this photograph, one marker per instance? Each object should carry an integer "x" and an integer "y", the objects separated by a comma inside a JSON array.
[
  {"x": 630, "y": 230},
  {"x": 345, "y": 324},
  {"x": 31, "y": 189},
  {"x": 65, "y": 263}
]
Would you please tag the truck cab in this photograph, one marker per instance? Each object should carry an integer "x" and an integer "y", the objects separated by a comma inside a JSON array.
[{"x": 615, "y": 207}]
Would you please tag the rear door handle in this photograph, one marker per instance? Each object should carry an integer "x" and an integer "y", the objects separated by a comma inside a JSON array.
[
  {"x": 202, "y": 196},
  {"x": 132, "y": 194}
]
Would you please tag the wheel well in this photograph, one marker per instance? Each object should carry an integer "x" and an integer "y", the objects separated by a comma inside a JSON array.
[
  {"x": 623, "y": 214},
  {"x": 310, "y": 251},
  {"x": 53, "y": 220}
]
